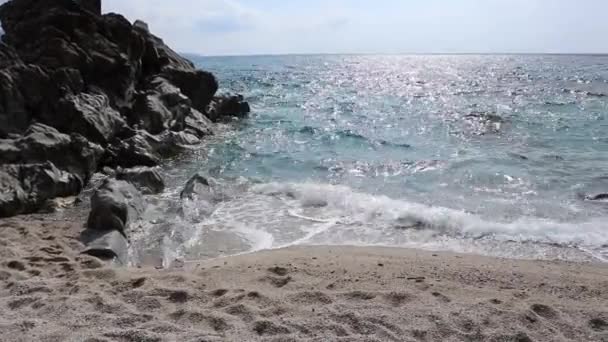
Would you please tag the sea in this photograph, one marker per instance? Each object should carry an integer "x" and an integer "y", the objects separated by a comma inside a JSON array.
[{"x": 483, "y": 154}]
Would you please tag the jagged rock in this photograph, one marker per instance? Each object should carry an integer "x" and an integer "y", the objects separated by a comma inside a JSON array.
[
  {"x": 177, "y": 141},
  {"x": 147, "y": 180},
  {"x": 141, "y": 26},
  {"x": 8, "y": 56},
  {"x": 26, "y": 188},
  {"x": 198, "y": 124},
  {"x": 89, "y": 115},
  {"x": 150, "y": 113},
  {"x": 114, "y": 205},
  {"x": 198, "y": 85},
  {"x": 145, "y": 149},
  {"x": 227, "y": 106},
  {"x": 93, "y": 6},
  {"x": 21, "y": 87},
  {"x": 68, "y": 81},
  {"x": 161, "y": 107},
  {"x": 132, "y": 152},
  {"x": 42, "y": 143}
]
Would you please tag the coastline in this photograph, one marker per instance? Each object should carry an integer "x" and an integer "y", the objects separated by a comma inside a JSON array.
[
  {"x": 51, "y": 292},
  {"x": 128, "y": 104}
]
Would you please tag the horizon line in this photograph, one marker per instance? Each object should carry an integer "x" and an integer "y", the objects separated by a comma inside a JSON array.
[{"x": 590, "y": 54}]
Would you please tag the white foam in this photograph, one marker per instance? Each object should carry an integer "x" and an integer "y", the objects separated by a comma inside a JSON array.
[
  {"x": 352, "y": 207},
  {"x": 276, "y": 215}
]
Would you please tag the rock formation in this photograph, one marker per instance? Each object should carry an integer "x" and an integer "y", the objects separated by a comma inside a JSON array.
[{"x": 80, "y": 91}]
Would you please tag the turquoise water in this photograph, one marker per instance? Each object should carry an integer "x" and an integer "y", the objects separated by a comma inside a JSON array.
[{"x": 483, "y": 154}]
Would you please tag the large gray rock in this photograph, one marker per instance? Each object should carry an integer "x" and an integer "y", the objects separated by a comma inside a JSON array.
[
  {"x": 26, "y": 188},
  {"x": 198, "y": 85},
  {"x": 147, "y": 180},
  {"x": 72, "y": 153},
  {"x": 42, "y": 143},
  {"x": 90, "y": 115},
  {"x": 114, "y": 205}
]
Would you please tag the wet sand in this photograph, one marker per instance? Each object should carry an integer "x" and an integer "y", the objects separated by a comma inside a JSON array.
[{"x": 49, "y": 292}]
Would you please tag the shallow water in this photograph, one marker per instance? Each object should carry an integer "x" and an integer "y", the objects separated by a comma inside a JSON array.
[{"x": 481, "y": 154}]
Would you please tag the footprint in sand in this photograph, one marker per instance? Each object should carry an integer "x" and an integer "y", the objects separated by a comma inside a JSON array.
[
  {"x": 280, "y": 271},
  {"x": 598, "y": 324},
  {"x": 441, "y": 297},
  {"x": 269, "y": 328},
  {"x": 16, "y": 265},
  {"x": 178, "y": 296},
  {"x": 359, "y": 295},
  {"x": 219, "y": 292},
  {"x": 277, "y": 281},
  {"x": 398, "y": 298},
  {"x": 310, "y": 298},
  {"x": 544, "y": 311}
]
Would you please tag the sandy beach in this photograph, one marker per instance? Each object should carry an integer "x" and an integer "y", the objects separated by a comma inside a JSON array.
[{"x": 49, "y": 292}]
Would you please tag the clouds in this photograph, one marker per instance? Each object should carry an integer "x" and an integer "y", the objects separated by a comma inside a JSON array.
[{"x": 234, "y": 27}]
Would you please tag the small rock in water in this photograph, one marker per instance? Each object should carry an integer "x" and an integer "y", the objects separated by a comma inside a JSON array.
[{"x": 598, "y": 197}]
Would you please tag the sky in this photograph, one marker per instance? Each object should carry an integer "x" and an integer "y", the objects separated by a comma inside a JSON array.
[{"x": 242, "y": 27}]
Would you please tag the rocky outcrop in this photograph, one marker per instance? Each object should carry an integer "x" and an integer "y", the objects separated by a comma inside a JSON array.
[{"x": 85, "y": 91}]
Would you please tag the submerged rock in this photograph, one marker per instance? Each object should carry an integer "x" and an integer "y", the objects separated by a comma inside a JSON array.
[
  {"x": 597, "y": 197},
  {"x": 147, "y": 180},
  {"x": 482, "y": 123},
  {"x": 228, "y": 106},
  {"x": 196, "y": 187}
]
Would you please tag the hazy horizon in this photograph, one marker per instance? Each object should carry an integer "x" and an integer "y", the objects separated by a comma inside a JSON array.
[
  {"x": 590, "y": 54},
  {"x": 272, "y": 27}
]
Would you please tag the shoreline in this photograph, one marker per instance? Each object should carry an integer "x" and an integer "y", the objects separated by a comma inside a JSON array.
[{"x": 49, "y": 291}]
